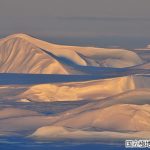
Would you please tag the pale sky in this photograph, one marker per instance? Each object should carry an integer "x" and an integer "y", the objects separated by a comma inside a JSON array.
[{"x": 76, "y": 18}]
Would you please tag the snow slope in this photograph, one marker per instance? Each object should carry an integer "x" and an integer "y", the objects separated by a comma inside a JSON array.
[
  {"x": 143, "y": 66},
  {"x": 119, "y": 108},
  {"x": 128, "y": 122},
  {"x": 127, "y": 117},
  {"x": 19, "y": 56},
  {"x": 67, "y": 91},
  {"x": 13, "y": 120},
  {"x": 115, "y": 118},
  {"x": 21, "y": 53},
  {"x": 52, "y": 133},
  {"x": 91, "y": 90},
  {"x": 79, "y": 91},
  {"x": 73, "y": 91}
]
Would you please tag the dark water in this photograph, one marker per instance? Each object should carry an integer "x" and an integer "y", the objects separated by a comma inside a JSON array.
[{"x": 19, "y": 143}]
